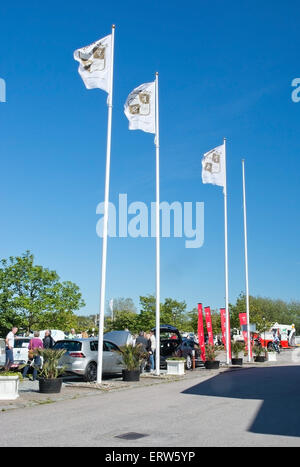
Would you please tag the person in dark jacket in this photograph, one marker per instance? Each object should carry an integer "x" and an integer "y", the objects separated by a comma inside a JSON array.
[
  {"x": 143, "y": 342},
  {"x": 48, "y": 340}
]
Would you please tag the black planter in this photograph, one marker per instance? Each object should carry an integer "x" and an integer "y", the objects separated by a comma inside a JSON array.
[
  {"x": 212, "y": 364},
  {"x": 259, "y": 359},
  {"x": 50, "y": 386},
  {"x": 237, "y": 361},
  {"x": 131, "y": 375}
]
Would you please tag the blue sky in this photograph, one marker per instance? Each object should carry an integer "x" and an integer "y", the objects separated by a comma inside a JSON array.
[{"x": 226, "y": 70}]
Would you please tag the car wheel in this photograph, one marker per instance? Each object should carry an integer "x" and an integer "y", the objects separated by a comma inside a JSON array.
[
  {"x": 189, "y": 362},
  {"x": 91, "y": 372}
]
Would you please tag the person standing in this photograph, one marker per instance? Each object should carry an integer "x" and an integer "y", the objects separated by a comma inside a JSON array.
[
  {"x": 9, "y": 348},
  {"x": 48, "y": 340},
  {"x": 152, "y": 351},
  {"x": 143, "y": 343},
  {"x": 72, "y": 334},
  {"x": 34, "y": 344}
]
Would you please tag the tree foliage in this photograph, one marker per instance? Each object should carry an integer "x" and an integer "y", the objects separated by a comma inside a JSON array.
[{"x": 32, "y": 297}]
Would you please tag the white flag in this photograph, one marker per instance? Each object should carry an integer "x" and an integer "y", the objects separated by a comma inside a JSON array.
[
  {"x": 95, "y": 64},
  {"x": 140, "y": 108},
  {"x": 213, "y": 166}
]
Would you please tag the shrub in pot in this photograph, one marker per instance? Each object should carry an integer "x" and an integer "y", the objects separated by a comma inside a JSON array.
[
  {"x": 49, "y": 381},
  {"x": 259, "y": 353},
  {"x": 210, "y": 354},
  {"x": 133, "y": 356},
  {"x": 237, "y": 348}
]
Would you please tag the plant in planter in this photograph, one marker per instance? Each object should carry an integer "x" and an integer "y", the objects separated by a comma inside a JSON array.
[
  {"x": 211, "y": 352},
  {"x": 259, "y": 353},
  {"x": 237, "y": 348},
  {"x": 133, "y": 357},
  {"x": 49, "y": 381}
]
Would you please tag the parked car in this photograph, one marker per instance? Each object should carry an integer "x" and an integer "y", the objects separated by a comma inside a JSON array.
[
  {"x": 2, "y": 352},
  {"x": 20, "y": 351},
  {"x": 186, "y": 350},
  {"x": 81, "y": 357},
  {"x": 120, "y": 338},
  {"x": 172, "y": 343}
]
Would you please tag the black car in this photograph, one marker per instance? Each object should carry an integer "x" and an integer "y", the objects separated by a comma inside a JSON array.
[{"x": 172, "y": 344}]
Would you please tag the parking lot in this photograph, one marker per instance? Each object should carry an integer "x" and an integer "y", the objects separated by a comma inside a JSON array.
[{"x": 74, "y": 387}]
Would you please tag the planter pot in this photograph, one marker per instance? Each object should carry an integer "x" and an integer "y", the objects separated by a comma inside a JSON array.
[
  {"x": 259, "y": 359},
  {"x": 9, "y": 388},
  {"x": 50, "y": 386},
  {"x": 131, "y": 375},
  {"x": 212, "y": 364},
  {"x": 175, "y": 367},
  {"x": 237, "y": 361},
  {"x": 272, "y": 357}
]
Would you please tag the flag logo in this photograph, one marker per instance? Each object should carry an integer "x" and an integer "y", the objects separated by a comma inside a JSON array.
[
  {"x": 213, "y": 162},
  {"x": 140, "y": 105},
  {"x": 94, "y": 60}
]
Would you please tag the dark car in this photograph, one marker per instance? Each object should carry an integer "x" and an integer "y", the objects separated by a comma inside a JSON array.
[
  {"x": 186, "y": 350},
  {"x": 172, "y": 343}
]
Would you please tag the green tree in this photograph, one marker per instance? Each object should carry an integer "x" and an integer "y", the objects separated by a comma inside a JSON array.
[
  {"x": 123, "y": 316},
  {"x": 32, "y": 297}
]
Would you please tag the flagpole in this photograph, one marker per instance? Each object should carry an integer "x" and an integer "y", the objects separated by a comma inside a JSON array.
[
  {"x": 226, "y": 261},
  {"x": 246, "y": 262},
  {"x": 105, "y": 217},
  {"x": 157, "y": 227}
]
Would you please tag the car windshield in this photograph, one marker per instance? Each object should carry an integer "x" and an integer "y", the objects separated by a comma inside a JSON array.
[
  {"x": 69, "y": 346},
  {"x": 19, "y": 343}
]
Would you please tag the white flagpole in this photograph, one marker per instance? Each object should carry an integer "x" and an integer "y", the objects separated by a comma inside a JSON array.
[
  {"x": 246, "y": 262},
  {"x": 226, "y": 262},
  {"x": 157, "y": 224},
  {"x": 105, "y": 217}
]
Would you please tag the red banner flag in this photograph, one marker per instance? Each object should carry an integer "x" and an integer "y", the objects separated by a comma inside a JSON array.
[
  {"x": 243, "y": 322},
  {"x": 223, "y": 326},
  {"x": 201, "y": 332},
  {"x": 209, "y": 325}
]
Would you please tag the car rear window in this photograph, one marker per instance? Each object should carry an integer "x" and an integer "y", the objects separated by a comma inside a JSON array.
[
  {"x": 69, "y": 346},
  {"x": 19, "y": 343}
]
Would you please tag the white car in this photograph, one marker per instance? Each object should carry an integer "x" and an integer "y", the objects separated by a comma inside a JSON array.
[
  {"x": 20, "y": 351},
  {"x": 2, "y": 352}
]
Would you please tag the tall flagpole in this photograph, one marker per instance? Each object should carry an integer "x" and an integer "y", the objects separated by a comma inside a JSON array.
[
  {"x": 226, "y": 262},
  {"x": 105, "y": 217},
  {"x": 246, "y": 262},
  {"x": 157, "y": 227}
]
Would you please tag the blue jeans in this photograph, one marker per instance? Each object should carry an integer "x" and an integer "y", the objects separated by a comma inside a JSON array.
[
  {"x": 9, "y": 357},
  {"x": 152, "y": 360},
  {"x": 36, "y": 365}
]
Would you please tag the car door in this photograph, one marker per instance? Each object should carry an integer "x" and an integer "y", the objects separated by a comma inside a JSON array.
[{"x": 114, "y": 358}]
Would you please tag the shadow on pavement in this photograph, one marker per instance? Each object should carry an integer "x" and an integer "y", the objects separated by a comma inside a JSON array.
[{"x": 278, "y": 387}]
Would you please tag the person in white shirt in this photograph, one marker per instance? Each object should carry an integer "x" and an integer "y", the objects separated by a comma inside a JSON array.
[
  {"x": 10, "y": 342},
  {"x": 152, "y": 352}
]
